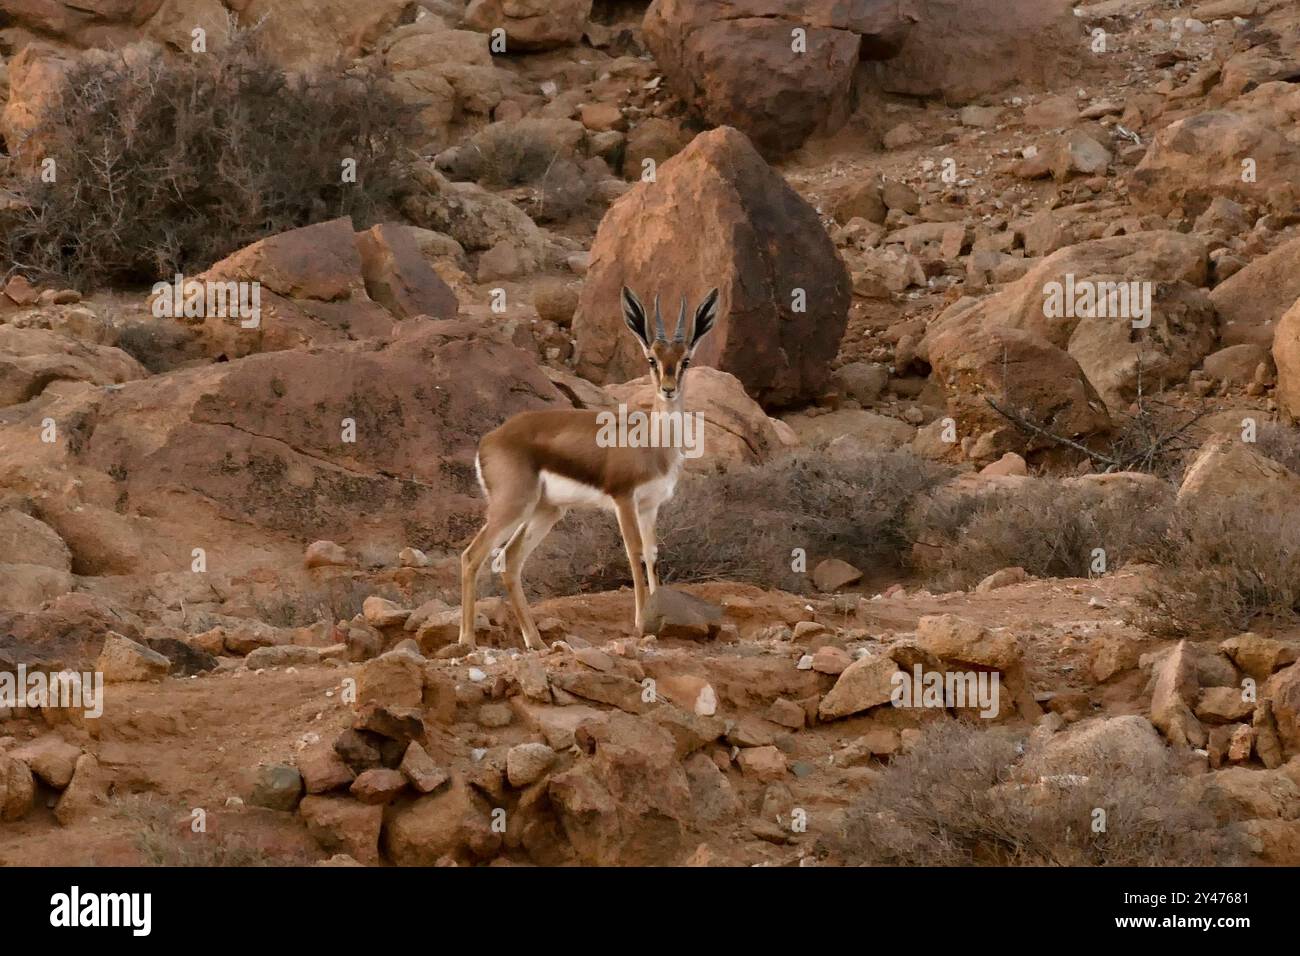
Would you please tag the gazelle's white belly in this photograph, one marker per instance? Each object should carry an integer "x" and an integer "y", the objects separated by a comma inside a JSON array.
[{"x": 562, "y": 492}]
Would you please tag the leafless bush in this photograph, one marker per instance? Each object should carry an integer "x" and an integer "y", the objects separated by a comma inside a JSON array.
[
  {"x": 156, "y": 344},
  {"x": 744, "y": 525},
  {"x": 1221, "y": 567},
  {"x": 964, "y": 796},
  {"x": 164, "y": 838},
  {"x": 1281, "y": 443},
  {"x": 1048, "y": 527},
  {"x": 1154, "y": 438},
  {"x": 166, "y": 164}
]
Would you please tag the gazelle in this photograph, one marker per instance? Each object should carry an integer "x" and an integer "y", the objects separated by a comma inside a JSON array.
[{"x": 539, "y": 464}]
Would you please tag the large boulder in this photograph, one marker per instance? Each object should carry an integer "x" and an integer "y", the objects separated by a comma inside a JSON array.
[
  {"x": 629, "y": 803},
  {"x": 1154, "y": 257},
  {"x": 370, "y": 445},
  {"x": 305, "y": 33},
  {"x": 314, "y": 285},
  {"x": 300, "y": 32},
  {"x": 1225, "y": 467},
  {"x": 1252, "y": 301},
  {"x": 1193, "y": 161},
  {"x": 960, "y": 50},
  {"x": 531, "y": 24},
  {"x": 35, "y": 79},
  {"x": 1286, "y": 355},
  {"x": 1024, "y": 374},
  {"x": 477, "y": 219},
  {"x": 1283, "y": 691},
  {"x": 310, "y": 291},
  {"x": 737, "y": 62},
  {"x": 1119, "y": 359},
  {"x": 1049, "y": 303},
  {"x": 32, "y": 359},
  {"x": 736, "y": 430},
  {"x": 719, "y": 216}
]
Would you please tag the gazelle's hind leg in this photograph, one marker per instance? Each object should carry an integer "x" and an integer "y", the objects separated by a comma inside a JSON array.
[
  {"x": 508, "y": 509},
  {"x": 520, "y": 547}
]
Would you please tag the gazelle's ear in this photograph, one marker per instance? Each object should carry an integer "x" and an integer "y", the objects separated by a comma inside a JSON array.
[
  {"x": 705, "y": 316},
  {"x": 634, "y": 316}
]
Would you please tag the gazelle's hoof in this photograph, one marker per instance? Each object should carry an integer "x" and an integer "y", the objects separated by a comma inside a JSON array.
[{"x": 467, "y": 641}]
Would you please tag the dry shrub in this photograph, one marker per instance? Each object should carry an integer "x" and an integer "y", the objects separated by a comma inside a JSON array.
[
  {"x": 1222, "y": 567},
  {"x": 744, "y": 524},
  {"x": 1047, "y": 526},
  {"x": 168, "y": 163},
  {"x": 164, "y": 838},
  {"x": 1281, "y": 443},
  {"x": 964, "y": 796},
  {"x": 159, "y": 345}
]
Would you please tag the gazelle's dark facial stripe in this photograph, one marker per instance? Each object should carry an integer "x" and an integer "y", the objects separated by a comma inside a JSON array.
[
  {"x": 669, "y": 359},
  {"x": 668, "y": 364}
]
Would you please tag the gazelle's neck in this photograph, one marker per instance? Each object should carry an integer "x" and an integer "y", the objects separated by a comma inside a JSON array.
[{"x": 675, "y": 408}]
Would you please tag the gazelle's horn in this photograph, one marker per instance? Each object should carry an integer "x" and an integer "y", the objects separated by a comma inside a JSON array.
[
  {"x": 680, "y": 334},
  {"x": 660, "y": 335}
]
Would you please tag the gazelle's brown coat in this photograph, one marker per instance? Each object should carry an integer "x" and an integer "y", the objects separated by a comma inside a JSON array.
[{"x": 539, "y": 464}]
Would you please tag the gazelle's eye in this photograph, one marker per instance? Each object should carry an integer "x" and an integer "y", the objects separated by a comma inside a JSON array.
[
  {"x": 653, "y": 363},
  {"x": 686, "y": 363}
]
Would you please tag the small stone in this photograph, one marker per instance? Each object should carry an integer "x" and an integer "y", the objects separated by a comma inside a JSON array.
[
  {"x": 830, "y": 659},
  {"x": 412, "y": 558},
  {"x": 322, "y": 769},
  {"x": 123, "y": 660},
  {"x": 787, "y": 713},
  {"x": 833, "y": 574},
  {"x": 495, "y": 715},
  {"x": 425, "y": 775},
  {"x": 320, "y": 554},
  {"x": 51, "y": 758},
  {"x": 1001, "y": 579},
  {"x": 377, "y": 786},
  {"x": 381, "y": 612},
  {"x": 278, "y": 787},
  {"x": 763, "y": 763},
  {"x": 526, "y": 763},
  {"x": 866, "y": 683}
]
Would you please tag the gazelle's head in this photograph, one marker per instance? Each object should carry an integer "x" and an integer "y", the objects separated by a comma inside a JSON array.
[{"x": 669, "y": 358}]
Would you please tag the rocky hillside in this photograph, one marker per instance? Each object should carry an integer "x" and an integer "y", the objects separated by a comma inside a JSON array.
[{"x": 995, "y": 527}]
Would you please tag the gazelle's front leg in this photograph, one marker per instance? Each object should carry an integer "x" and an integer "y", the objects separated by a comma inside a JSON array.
[
  {"x": 647, "y": 519},
  {"x": 631, "y": 531}
]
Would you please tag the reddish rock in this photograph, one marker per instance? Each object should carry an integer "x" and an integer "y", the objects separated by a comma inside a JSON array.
[
  {"x": 377, "y": 786},
  {"x": 1195, "y": 160},
  {"x": 961, "y": 50},
  {"x": 531, "y": 24},
  {"x": 322, "y": 769},
  {"x": 454, "y": 822},
  {"x": 399, "y": 278},
  {"x": 763, "y": 763},
  {"x": 342, "y": 825}
]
